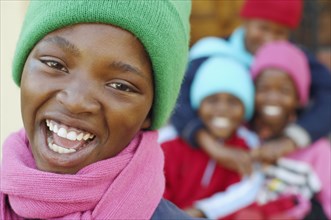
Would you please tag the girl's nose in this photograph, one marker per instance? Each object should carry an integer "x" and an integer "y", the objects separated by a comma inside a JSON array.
[
  {"x": 221, "y": 107},
  {"x": 268, "y": 37},
  {"x": 78, "y": 98},
  {"x": 273, "y": 96}
]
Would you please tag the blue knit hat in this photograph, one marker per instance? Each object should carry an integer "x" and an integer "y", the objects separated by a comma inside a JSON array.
[{"x": 223, "y": 75}]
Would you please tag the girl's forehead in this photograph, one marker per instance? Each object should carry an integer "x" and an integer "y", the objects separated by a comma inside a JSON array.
[
  {"x": 272, "y": 74},
  {"x": 89, "y": 30},
  {"x": 96, "y": 26},
  {"x": 224, "y": 96},
  {"x": 98, "y": 39}
]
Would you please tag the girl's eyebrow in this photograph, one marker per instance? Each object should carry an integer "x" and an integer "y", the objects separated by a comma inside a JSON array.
[
  {"x": 127, "y": 68},
  {"x": 73, "y": 49},
  {"x": 64, "y": 44}
]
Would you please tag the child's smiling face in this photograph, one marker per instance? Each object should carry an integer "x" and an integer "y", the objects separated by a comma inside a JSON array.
[
  {"x": 86, "y": 91},
  {"x": 222, "y": 114},
  {"x": 260, "y": 31},
  {"x": 276, "y": 99}
]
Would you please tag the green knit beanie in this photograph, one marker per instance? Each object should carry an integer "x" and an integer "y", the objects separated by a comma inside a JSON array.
[{"x": 162, "y": 26}]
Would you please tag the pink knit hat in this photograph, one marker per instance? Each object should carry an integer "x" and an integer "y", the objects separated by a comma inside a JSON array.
[
  {"x": 285, "y": 56},
  {"x": 284, "y": 12}
]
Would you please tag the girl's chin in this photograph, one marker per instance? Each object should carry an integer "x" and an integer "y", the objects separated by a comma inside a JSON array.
[
  {"x": 52, "y": 161},
  {"x": 272, "y": 119},
  {"x": 45, "y": 167},
  {"x": 268, "y": 129},
  {"x": 222, "y": 134},
  {"x": 276, "y": 124},
  {"x": 265, "y": 134}
]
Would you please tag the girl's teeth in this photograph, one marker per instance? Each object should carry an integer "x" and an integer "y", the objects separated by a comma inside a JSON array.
[
  {"x": 51, "y": 126},
  {"x": 272, "y": 110},
  {"x": 80, "y": 136},
  {"x": 62, "y": 133},
  {"x": 55, "y": 129},
  {"x": 57, "y": 148},
  {"x": 86, "y": 136},
  {"x": 70, "y": 135},
  {"x": 221, "y": 122}
]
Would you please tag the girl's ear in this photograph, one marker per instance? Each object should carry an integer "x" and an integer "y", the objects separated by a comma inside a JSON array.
[
  {"x": 293, "y": 114},
  {"x": 147, "y": 123},
  {"x": 292, "y": 117},
  {"x": 298, "y": 105}
]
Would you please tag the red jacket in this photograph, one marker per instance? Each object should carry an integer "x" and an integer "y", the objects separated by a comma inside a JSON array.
[{"x": 186, "y": 167}]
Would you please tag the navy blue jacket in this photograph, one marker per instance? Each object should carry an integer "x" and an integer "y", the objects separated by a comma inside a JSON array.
[
  {"x": 167, "y": 210},
  {"x": 315, "y": 119}
]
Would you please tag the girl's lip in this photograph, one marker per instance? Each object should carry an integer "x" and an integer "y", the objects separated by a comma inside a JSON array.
[
  {"x": 78, "y": 123},
  {"x": 221, "y": 122},
  {"x": 68, "y": 132},
  {"x": 66, "y": 146},
  {"x": 57, "y": 160},
  {"x": 272, "y": 110}
]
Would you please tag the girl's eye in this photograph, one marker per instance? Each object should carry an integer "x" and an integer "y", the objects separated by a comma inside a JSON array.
[
  {"x": 261, "y": 88},
  {"x": 233, "y": 102},
  {"x": 212, "y": 100},
  {"x": 55, "y": 65},
  {"x": 121, "y": 86},
  {"x": 286, "y": 90}
]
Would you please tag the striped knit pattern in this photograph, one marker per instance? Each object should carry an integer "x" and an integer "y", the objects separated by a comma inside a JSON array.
[{"x": 291, "y": 177}]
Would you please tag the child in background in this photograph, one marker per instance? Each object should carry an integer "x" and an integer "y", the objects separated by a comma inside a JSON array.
[
  {"x": 223, "y": 96},
  {"x": 96, "y": 78},
  {"x": 282, "y": 83},
  {"x": 282, "y": 80},
  {"x": 264, "y": 21}
]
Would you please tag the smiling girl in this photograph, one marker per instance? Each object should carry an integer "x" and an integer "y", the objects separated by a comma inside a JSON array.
[
  {"x": 282, "y": 80},
  {"x": 223, "y": 96},
  {"x": 96, "y": 78},
  {"x": 287, "y": 184}
]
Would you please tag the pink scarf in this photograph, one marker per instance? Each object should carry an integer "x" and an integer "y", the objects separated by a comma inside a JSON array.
[{"x": 128, "y": 186}]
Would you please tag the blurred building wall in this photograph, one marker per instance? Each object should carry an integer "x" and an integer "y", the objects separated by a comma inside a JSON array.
[
  {"x": 214, "y": 18},
  {"x": 12, "y": 13},
  {"x": 221, "y": 17}
]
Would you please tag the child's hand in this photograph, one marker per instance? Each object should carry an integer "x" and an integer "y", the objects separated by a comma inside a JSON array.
[
  {"x": 229, "y": 157},
  {"x": 232, "y": 158},
  {"x": 270, "y": 151},
  {"x": 236, "y": 159}
]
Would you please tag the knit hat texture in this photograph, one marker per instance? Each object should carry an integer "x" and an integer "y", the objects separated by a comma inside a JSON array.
[
  {"x": 286, "y": 12},
  {"x": 161, "y": 26},
  {"x": 223, "y": 75},
  {"x": 286, "y": 57}
]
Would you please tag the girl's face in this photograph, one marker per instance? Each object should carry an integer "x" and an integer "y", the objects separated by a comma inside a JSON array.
[
  {"x": 260, "y": 32},
  {"x": 86, "y": 91},
  {"x": 222, "y": 114},
  {"x": 276, "y": 99}
]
